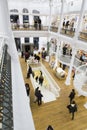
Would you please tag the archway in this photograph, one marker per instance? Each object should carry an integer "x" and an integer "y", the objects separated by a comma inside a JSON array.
[
  {"x": 37, "y": 20},
  {"x": 14, "y": 18},
  {"x": 25, "y": 18},
  {"x": 36, "y": 43},
  {"x": 18, "y": 44}
]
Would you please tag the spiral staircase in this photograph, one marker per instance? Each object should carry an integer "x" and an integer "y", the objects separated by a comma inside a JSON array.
[{"x": 80, "y": 81}]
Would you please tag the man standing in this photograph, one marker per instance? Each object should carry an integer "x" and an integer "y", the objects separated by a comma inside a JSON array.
[
  {"x": 73, "y": 109},
  {"x": 72, "y": 95},
  {"x": 39, "y": 98},
  {"x": 36, "y": 94}
]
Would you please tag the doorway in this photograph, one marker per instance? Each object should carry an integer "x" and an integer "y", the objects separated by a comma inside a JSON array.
[
  {"x": 36, "y": 43},
  {"x": 18, "y": 44}
]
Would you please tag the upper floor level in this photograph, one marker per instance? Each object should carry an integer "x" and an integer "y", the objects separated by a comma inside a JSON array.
[{"x": 50, "y": 16}]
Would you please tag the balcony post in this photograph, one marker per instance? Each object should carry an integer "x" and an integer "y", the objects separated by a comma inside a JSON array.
[
  {"x": 61, "y": 16},
  {"x": 80, "y": 20},
  {"x": 57, "y": 52},
  {"x": 50, "y": 14},
  {"x": 68, "y": 79},
  {"x": 21, "y": 20}
]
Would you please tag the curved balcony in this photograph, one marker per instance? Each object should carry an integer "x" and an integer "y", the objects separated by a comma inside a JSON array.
[
  {"x": 28, "y": 27},
  {"x": 66, "y": 59},
  {"x": 83, "y": 35},
  {"x": 66, "y": 32},
  {"x": 54, "y": 29},
  {"x": 80, "y": 81},
  {"x": 71, "y": 33}
]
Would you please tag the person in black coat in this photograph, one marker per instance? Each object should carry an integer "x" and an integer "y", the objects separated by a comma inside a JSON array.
[
  {"x": 82, "y": 57},
  {"x": 64, "y": 49},
  {"x": 49, "y": 127},
  {"x": 72, "y": 95},
  {"x": 29, "y": 71},
  {"x": 27, "y": 89},
  {"x": 72, "y": 108},
  {"x": 36, "y": 94},
  {"x": 41, "y": 79},
  {"x": 38, "y": 58},
  {"x": 39, "y": 97},
  {"x": 67, "y": 24},
  {"x": 36, "y": 78},
  {"x": 33, "y": 74},
  {"x": 39, "y": 21}
]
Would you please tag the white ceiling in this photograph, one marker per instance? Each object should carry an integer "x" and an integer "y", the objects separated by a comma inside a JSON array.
[{"x": 38, "y": 1}]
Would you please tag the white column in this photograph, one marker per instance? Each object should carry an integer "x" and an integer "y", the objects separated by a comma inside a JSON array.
[
  {"x": 3, "y": 18},
  {"x": 5, "y": 27},
  {"x": 68, "y": 79},
  {"x": 21, "y": 108},
  {"x": 61, "y": 17},
  {"x": 46, "y": 21},
  {"x": 80, "y": 19},
  {"x": 21, "y": 20},
  {"x": 50, "y": 14},
  {"x": 56, "y": 60}
]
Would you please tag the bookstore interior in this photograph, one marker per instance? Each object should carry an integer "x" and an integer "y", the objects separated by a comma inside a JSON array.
[{"x": 50, "y": 36}]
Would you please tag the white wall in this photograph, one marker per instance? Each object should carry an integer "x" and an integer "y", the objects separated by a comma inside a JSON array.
[
  {"x": 22, "y": 116},
  {"x": 43, "y": 8},
  {"x": 42, "y": 42},
  {"x": 76, "y": 6}
]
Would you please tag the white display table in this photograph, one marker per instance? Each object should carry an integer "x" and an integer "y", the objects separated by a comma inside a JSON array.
[
  {"x": 60, "y": 73},
  {"x": 51, "y": 90},
  {"x": 31, "y": 61}
]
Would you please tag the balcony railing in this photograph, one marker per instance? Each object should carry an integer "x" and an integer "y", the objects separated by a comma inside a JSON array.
[
  {"x": 28, "y": 27},
  {"x": 67, "y": 32},
  {"x": 66, "y": 59},
  {"x": 54, "y": 29}
]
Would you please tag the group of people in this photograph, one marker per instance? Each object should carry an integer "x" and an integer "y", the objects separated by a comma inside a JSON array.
[
  {"x": 72, "y": 107},
  {"x": 69, "y": 24},
  {"x": 32, "y": 57},
  {"x": 36, "y": 57},
  {"x": 67, "y": 50}
]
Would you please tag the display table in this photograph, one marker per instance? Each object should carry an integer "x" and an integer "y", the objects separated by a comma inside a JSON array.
[
  {"x": 49, "y": 89},
  {"x": 32, "y": 62},
  {"x": 60, "y": 73}
]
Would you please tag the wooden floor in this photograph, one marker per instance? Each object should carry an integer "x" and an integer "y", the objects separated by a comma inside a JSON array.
[{"x": 55, "y": 113}]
